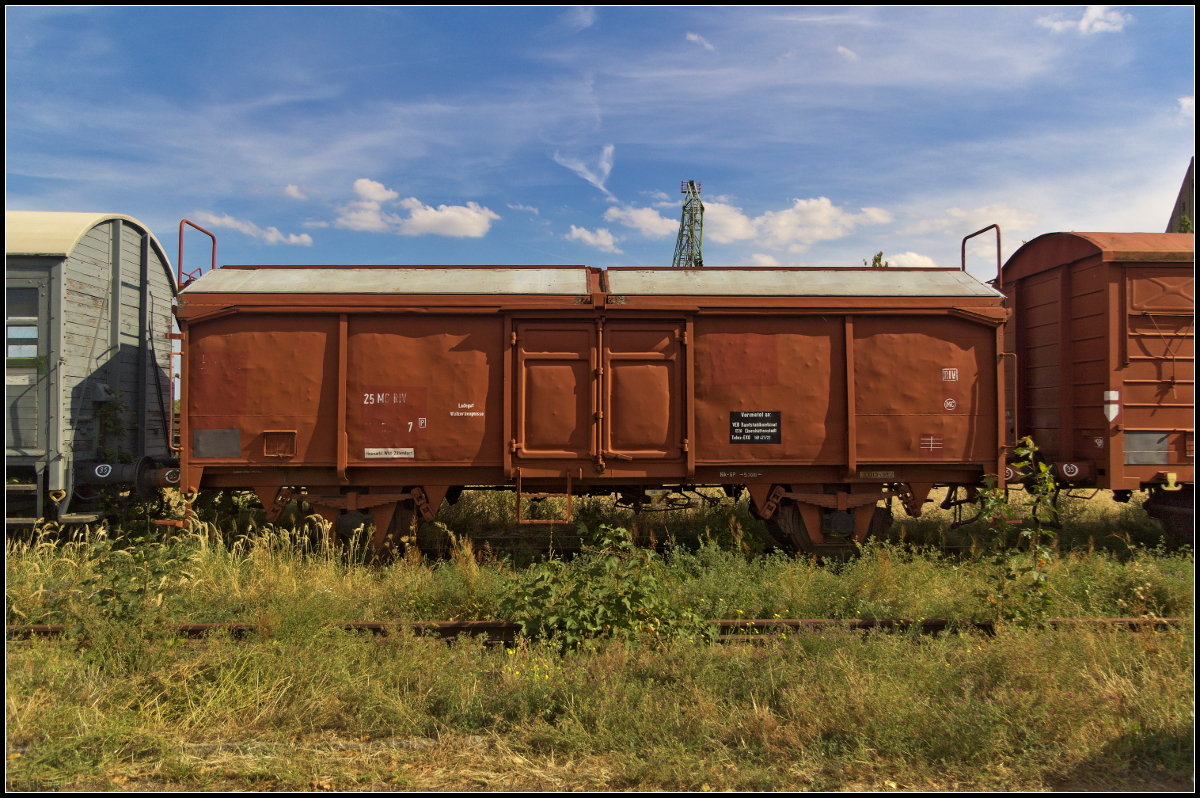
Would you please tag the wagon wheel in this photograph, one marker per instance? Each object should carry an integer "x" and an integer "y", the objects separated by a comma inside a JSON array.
[{"x": 787, "y": 527}]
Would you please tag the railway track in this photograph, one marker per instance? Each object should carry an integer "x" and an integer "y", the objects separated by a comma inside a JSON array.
[{"x": 730, "y": 630}]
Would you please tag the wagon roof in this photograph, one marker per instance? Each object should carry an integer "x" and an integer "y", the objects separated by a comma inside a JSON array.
[
  {"x": 56, "y": 234},
  {"x": 573, "y": 280},
  {"x": 397, "y": 280},
  {"x": 796, "y": 282},
  {"x": 1055, "y": 249}
]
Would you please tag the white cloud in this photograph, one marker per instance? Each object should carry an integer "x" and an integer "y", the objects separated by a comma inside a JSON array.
[
  {"x": 1187, "y": 107},
  {"x": 520, "y": 207},
  {"x": 602, "y": 239},
  {"x": 804, "y": 223},
  {"x": 911, "y": 260},
  {"x": 963, "y": 221},
  {"x": 812, "y": 220},
  {"x": 848, "y": 54},
  {"x": 373, "y": 192},
  {"x": 603, "y": 167},
  {"x": 580, "y": 17},
  {"x": 294, "y": 192},
  {"x": 645, "y": 220},
  {"x": 726, "y": 223},
  {"x": 700, "y": 40},
  {"x": 271, "y": 235},
  {"x": 1096, "y": 19},
  {"x": 763, "y": 260},
  {"x": 458, "y": 221},
  {"x": 315, "y": 224},
  {"x": 366, "y": 213}
]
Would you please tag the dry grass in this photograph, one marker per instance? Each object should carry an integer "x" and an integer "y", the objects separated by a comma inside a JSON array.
[
  {"x": 309, "y": 707},
  {"x": 833, "y": 711}
]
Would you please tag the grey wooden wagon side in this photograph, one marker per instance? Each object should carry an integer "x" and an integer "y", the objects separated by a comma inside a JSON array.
[{"x": 88, "y": 300}]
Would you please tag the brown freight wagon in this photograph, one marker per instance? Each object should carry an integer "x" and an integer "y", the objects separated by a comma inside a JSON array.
[
  {"x": 379, "y": 389},
  {"x": 1104, "y": 374}
]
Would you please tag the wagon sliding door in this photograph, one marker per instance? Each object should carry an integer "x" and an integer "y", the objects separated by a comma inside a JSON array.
[
  {"x": 599, "y": 390},
  {"x": 555, "y": 392},
  {"x": 642, "y": 392}
]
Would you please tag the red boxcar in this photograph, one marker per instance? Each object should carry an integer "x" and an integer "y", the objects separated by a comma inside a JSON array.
[
  {"x": 1104, "y": 375},
  {"x": 379, "y": 389}
]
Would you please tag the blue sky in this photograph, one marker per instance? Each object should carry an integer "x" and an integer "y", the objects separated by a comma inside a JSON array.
[{"x": 554, "y": 136}]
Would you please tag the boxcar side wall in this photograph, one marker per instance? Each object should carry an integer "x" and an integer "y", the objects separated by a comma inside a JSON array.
[
  {"x": 1155, "y": 373},
  {"x": 1104, "y": 343},
  {"x": 87, "y": 336},
  {"x": 604, "y": 394},
  {"x": 923, "y": 389}
]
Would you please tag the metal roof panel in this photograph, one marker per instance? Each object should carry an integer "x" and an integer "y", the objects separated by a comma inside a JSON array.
[
  {"x": 795, "y": 282},
  {"x": 392, "y": 281}
]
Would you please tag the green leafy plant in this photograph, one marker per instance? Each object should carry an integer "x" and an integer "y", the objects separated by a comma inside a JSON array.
[
  {"x": 1020, "y": 585},
  {"x": 116, "y": 611},
  {"x": 110, "y": 429},
  {"x": 877, "y": 262},
  {"x": 613, "y": 588}
]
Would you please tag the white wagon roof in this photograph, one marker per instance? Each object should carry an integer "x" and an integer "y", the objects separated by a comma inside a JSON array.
[
  {"x": 392, "y": 281},
  {"x": 54, "y": 233},
  {"x": 796, "y": 282},
  {"x": 573, "y": 281}
]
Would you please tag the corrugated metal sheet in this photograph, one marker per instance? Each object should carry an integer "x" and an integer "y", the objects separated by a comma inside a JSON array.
[
  {"x": 392, "y": 281},
  {"x": 797, "y": 282}
]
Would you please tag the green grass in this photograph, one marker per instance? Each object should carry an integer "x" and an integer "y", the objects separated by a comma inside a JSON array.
[
  {"x": 313, "y": 706},
  {"x": 274, "y": 573},
  {"x": 117, "y": 703}
]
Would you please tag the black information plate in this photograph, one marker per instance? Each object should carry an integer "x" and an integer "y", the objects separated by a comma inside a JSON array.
[{"x": 762, "y": 426}]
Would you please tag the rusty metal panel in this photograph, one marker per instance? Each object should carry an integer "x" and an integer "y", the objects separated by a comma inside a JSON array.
[
  {"x": 556, "y": 388},
  {"x": 258, "y": 373},
  {"x": 1157, "y": 391},
  {"x": 643, "y": 383},
  {"x": 424, "y": 389},
  {"x": 797, "y": 282},
  {"x": 793, "y": 365},
  {"x": 1122, "y": 372},
  {"x": 925, "y": 389},
  {"x": 392, "y": 281}
]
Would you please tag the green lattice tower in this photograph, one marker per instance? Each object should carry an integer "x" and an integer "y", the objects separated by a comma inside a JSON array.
[{"x": 689, "y": 249}]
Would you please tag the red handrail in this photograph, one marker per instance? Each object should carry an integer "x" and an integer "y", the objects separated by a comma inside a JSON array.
[
  {"x": 193, "y": 275},
  {"x": 996, "y": 227}
]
